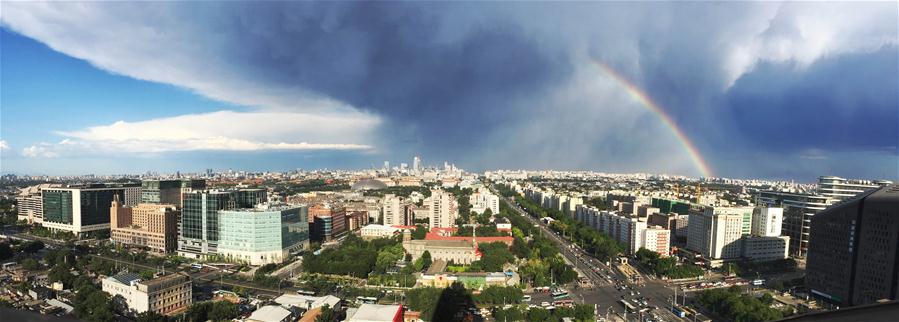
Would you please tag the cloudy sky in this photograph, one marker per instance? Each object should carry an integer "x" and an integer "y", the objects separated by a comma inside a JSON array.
[{"x": 770, "y": 90}]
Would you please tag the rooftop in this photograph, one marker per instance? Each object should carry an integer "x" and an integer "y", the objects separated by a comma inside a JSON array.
[
  {"x": 272, "y": 313},
  {"x": 376, "y": 313},
  {"x": 126, "y": 278}
]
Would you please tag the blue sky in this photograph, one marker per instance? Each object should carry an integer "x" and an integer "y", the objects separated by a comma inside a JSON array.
[{"x": 770, "y": 90}]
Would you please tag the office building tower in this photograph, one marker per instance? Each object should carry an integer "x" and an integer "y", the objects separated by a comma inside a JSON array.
[
  {"x": 386, "y": 165},
  {"x": 161, "y": 192},
  {"x": 329, "y": 227},
  {"x": 841, "y": 188},
  {"x": 199, "y": 228},
  {"x": 798, "y": 209},
  {"x": 29, "y": 203},
  {"x": 80, "y": 209},
  {"x": 416, "y": 164},
  {"x": 393, "y": 211},
  {"x": 767, "y": 221},
  {"x": 442, "y": 209},
  {"x": 852, "y": 254},
  {"x": 715, "y": 233},
  {"x": 148, "y": 225},
  {"x": 265, "y": 234}
]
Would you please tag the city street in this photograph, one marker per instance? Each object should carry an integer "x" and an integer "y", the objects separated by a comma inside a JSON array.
[{"x": 603, "y": 291}]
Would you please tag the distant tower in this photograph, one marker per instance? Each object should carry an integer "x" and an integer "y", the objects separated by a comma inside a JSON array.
[
  {"x": 416, "y": 164},
  {"x": 386, "y": 165}
]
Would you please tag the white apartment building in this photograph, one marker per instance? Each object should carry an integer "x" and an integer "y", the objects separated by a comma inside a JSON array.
[
  {"x": 767, "y": 221},
  {"x": 393, "y": 211},
  {"x": 715, "y": 235},
  {"x": 632, "y": 231},
  {"x": 657, "y": 239},
  {"x": 442, "y": 209},
  {"x": 373, "y": 231},
  {"x": 482, "y": 200}
]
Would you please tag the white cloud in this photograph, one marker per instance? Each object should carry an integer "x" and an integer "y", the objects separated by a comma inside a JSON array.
[
  {"x": 219, "y": 131},
  {"x": 4, "y": 145},
  {"x": 805, "y": 32}
]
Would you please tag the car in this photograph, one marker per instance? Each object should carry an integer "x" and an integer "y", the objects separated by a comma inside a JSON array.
[{"x": 544, "y": 304}]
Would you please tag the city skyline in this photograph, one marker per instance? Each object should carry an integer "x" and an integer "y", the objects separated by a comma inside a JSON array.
[{"x": 777, "y": 91}]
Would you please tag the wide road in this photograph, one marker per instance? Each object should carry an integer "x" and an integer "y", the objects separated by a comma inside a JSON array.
[{"x": 603, "y": 292}]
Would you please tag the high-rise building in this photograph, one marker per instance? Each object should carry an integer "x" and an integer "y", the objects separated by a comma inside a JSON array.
[
  {"x": 161, "y": 192},
  {"x": 416, "y": 164},
  {"x": 263, "y": 235},
  {"x": 767, "y": 221},
  {"x": 199, "y": 228},
  {"x": 715, "y": 232},
  {"x": 841, "y": 188},
  {"x": 393, "y": 211},
  {"x": 30, "y": 203},
  {"x": 442, "y": 209},
  {"x": 482, "y": 200},
  {"x": 80, "y": 209},
  {"x": 149, "y": 225},
  {"x": 798, "y": 209},
  {"x": 852, "y": 254}
]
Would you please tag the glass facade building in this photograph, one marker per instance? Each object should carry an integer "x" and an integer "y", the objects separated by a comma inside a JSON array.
[
  {"x": 263, "y": 235},
  {"x": 199, "y": 227},
  {"x": 79, "y": 209},
  {"x": 161, "y": 192}
]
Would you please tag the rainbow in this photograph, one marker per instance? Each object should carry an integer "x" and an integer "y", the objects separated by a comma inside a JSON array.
[{"x": 644, "y": 99}]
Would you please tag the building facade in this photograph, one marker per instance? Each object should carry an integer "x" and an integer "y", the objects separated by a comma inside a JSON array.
[
  {"x": 482, "y": 200},
  {"x": 852, "y": 256},
  {"x": 166, "y": 295},
  {"x": 199, "y": 228},
  {"x": 841, "y": 188},
  {"x": 148, "y": 225},
  {"x": 715, "y": 233},
  {"x": 266, "y": 234},
  {"x": 29, "y": 203},
  {"x": 443, "y": 209},
  {"x": 765, "y": 248},
  {"x": 79, "y": 209},
  {"x": 798, "y": 209},
  {"x": 767, "y": 221},
  {"x": 393, "y": 211}
]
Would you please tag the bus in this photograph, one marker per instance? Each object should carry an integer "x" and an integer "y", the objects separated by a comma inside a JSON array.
[
  {"x": 559, "y": 294},
  {"x": 305, "y": 292},
  {"x": 564, "y": 303},
  {"x": 627, "y": 306},
  {"x": 366, "y": 300}
]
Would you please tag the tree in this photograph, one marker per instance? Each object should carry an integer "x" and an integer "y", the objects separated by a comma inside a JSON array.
[
  {"x": 419, "y": 232},
  {"x": 150, "y": 316},
  {"x": 30, "y": 264},
  {"x": 33, "y": 247},
  {"x": 326, "y": 315},
  {"x": 93, "y": 305},
  {"x": 222, "y": 310},
  {"x": 426, "y": 259}
]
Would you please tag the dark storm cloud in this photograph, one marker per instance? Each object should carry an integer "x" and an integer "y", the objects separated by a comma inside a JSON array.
[
  {"x": 846, "y": 103},
  {"x": 492, "y": 85}
]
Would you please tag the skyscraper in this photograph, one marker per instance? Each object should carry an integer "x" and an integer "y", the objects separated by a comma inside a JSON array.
[
  {"x": 393, "y": 211},
  {"x": 416, "y": 164},
  {"x": 852, "y": 256}
]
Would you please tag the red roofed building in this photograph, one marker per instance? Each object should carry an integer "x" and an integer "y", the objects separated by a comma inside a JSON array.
[{"x": 447, "y": 234}]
